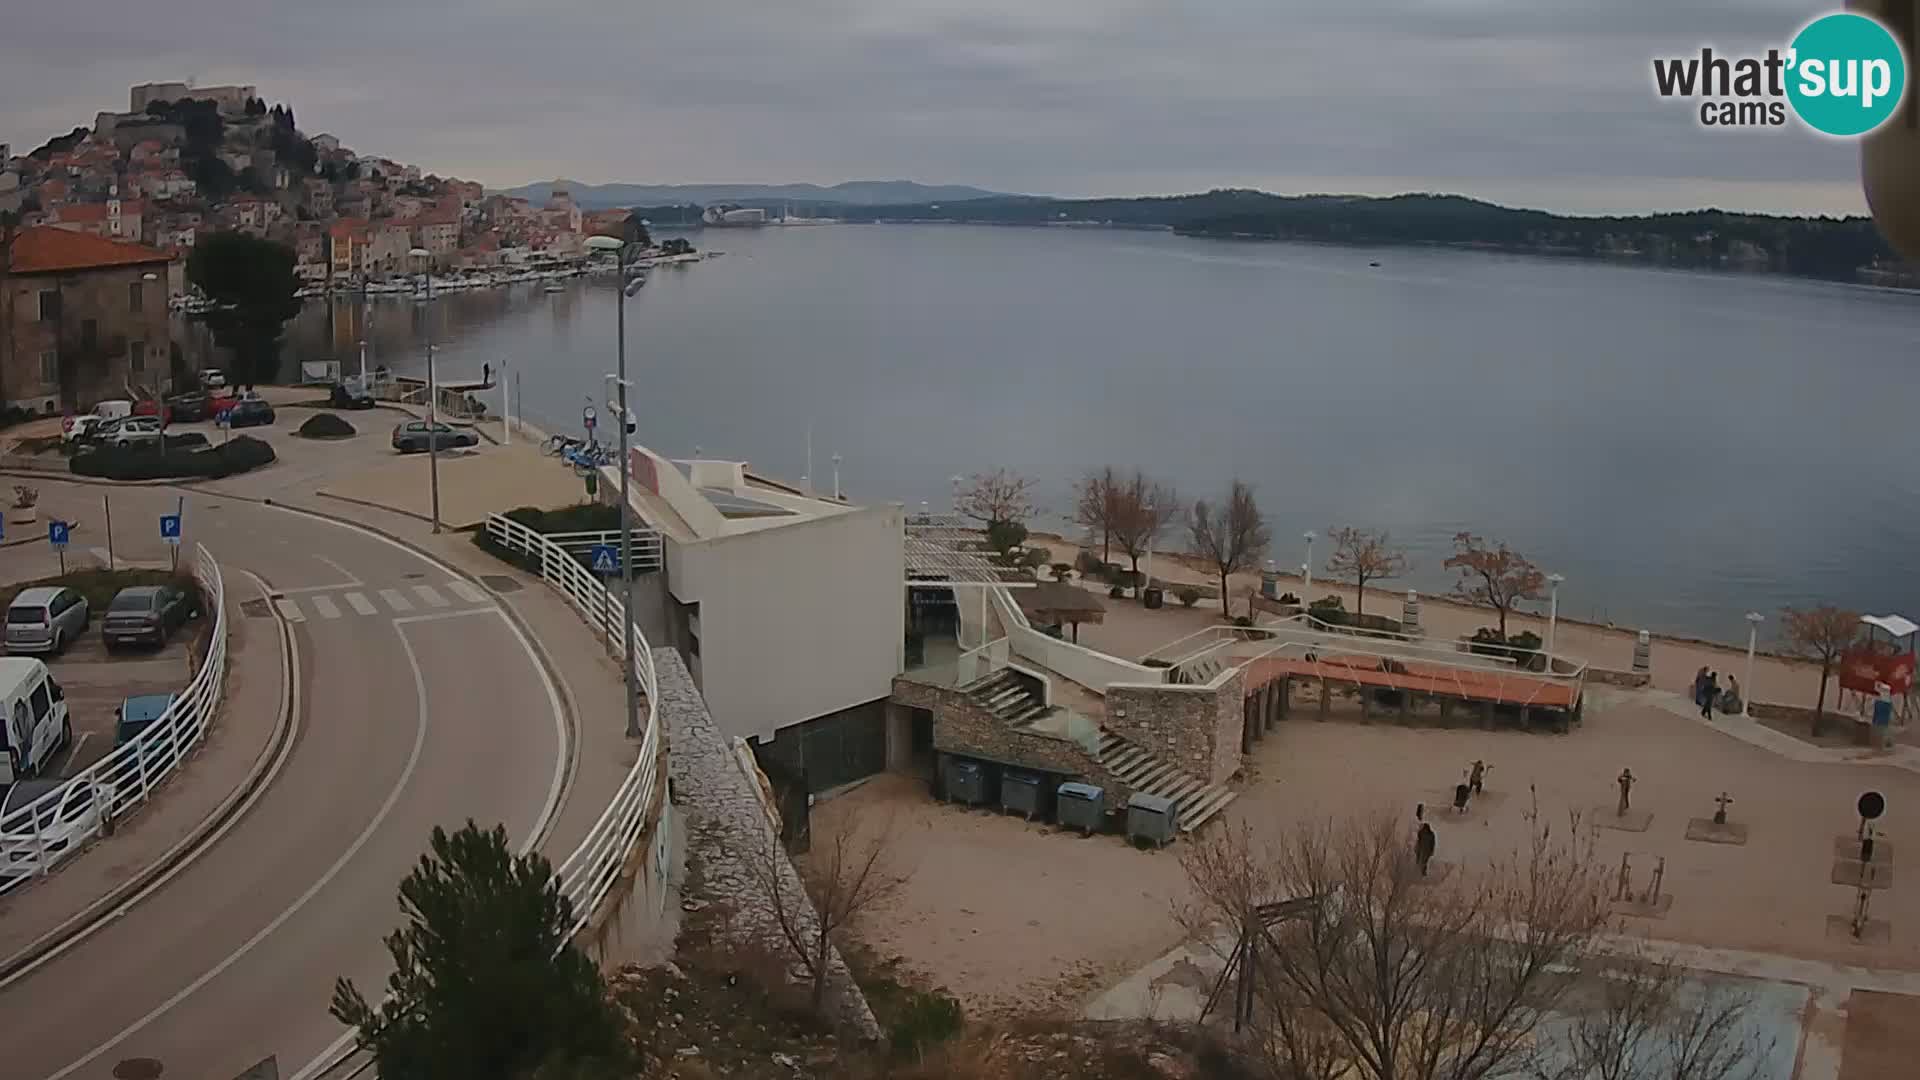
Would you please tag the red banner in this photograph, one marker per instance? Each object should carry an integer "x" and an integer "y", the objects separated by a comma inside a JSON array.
[{"x": 1861, "y": 669}]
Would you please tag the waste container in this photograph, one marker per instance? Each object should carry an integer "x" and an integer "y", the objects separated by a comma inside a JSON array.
[
  {"x": 1021, "y": 793},
  {"x": 1155, "y": 596},
  {"x": 1080, "y": 806},
  {"x": 966, "y": 781},
  {"x": 1152, "y": 818}
]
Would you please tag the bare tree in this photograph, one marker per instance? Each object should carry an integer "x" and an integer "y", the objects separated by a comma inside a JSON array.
[
  {"x": 1000, "y": 497},
  {"x": 1364, "y": 555},
  {"x": 1142, "y": 510},
  {"x": 1391, "y": 975},
  {"x": 1231, "y": 537},
  {"x": 848, "y": 872},
  {"x": 1823, "y": 633},
  {"x": 1493, "y": 576},
  {"x": 1093, "y": 506},
  {"x": 1644, "y": 1018}
]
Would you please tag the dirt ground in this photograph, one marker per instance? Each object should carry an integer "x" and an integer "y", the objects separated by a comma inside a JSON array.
[{"x": 1000, "y": 911}]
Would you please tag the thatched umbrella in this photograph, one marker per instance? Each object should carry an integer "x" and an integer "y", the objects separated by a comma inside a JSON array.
[{"x": 1056, "y": 603}]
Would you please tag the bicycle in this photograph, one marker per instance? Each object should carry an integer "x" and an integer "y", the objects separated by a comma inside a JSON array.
[{"x": 561, "y": 445}]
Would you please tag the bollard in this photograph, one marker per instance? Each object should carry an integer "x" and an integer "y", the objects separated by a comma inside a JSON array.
[
  {"x": 1643, "y": 653},
  {"x": 1270, "y": 581},
  {"x": 1410, "y": 613}
]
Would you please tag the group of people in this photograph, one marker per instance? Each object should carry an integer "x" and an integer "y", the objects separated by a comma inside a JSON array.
[
  {"x": 1424, "y": 840},
  {"x": 1709, "y": 696}
]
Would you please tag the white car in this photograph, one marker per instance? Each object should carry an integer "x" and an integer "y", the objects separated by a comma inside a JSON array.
[
  {"x": 213, "y": 378},
  {"x": 106, "y": 412},
  {"x": 65, "y": 815},
  {"x": 136, "y": 429}
]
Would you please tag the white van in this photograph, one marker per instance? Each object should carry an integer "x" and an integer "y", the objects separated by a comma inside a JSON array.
[{"x": 33, "y": 718}]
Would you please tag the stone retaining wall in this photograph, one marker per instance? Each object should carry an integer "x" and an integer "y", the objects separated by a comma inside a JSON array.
[
  {"x": 1194, "y": 728},
  {"x": 1634, "y": 680},
  {"x": 961, "y": 726},
  {"x": 729, "y": 820}
]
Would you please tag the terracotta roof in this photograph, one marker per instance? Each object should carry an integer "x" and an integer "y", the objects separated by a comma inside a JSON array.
[{"x": 48, "y": 250}]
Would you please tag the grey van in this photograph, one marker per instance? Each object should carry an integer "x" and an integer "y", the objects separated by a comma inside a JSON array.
[{"x": 46, "y": 619}]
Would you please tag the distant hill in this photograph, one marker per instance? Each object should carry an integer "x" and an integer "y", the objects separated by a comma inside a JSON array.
[{"x": 850, "y": 193}]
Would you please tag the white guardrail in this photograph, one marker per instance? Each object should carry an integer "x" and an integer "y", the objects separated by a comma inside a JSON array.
[
  {"x": 38, "y": 835},
  {"x": 589, "y": 874}
]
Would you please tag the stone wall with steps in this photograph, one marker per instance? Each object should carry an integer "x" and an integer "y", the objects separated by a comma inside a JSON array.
[
  {"x": 963, "y": 726},
  {"x": 1197, "y": 729}
]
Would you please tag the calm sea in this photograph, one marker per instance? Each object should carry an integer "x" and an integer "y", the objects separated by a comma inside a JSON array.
[{"x": 1683, "y": 447}]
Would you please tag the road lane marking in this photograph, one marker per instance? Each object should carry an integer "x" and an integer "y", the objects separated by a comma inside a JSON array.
[
  {"x": 396, "y": 600},
  {"x": 304, "y": 589},
  {"x": 73, "y": 755},
  {"x": 360, "y": 604},
  {"x": 466, "y": 592},
  {"x": 430, "y": 595},
  {"x": 393, "y": 798},
  {"x": 324, "y": 607},
  {"x": 289, "y": 610},
  {"x": 344, "y": 572}
]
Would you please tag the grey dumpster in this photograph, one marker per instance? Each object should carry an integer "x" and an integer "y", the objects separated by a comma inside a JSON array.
[
  {"x": 1080, "y": 806},
  {"x": 1021, "y": 793},
  {"x": 966, "y": 781},
  {"x": 1152, "y": 818}
]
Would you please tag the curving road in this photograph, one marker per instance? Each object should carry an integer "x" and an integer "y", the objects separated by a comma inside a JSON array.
[{"x": 419, "y": 704}]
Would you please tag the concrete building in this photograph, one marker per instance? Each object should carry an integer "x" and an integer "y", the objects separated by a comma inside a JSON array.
[
  {"x": 786, "y": 605},
  {"x": 388, "y": 243},
  {"x": 230, "y": 99},
  {"x": 82, "y": 318},
  {"x": 437, "y": 231}
]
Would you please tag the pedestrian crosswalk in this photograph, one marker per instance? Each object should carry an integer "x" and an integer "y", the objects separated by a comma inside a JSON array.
[{"x": 375, "y": 601}]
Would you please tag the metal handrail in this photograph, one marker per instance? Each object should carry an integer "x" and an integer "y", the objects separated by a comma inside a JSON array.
[
  {"x": 130, "y": 774},
  {"x": 588, "y": 874}
]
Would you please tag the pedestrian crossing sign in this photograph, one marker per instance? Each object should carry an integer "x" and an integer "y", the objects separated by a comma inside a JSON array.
[{"x": 605, "y": 559}]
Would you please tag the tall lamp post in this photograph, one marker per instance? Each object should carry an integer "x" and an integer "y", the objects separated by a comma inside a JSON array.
[
  {"x": 1306, "y": 568},
  {"x": 433, "y": 395},
  {"x": 1553, "y": 608},
  {"x": 1754, "y": 619},
  {"x": 619, "y": 246}
]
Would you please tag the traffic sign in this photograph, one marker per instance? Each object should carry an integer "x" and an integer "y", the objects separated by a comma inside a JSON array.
[
  {"x": 588, "y": 417},
  {"x": 170, "y": 528},
  {"x": 57, "y": 533},
  {"x": 605, "y": 559}
]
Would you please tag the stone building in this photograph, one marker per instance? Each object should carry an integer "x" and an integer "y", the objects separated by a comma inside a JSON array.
[{"x": 82, "y": 318}]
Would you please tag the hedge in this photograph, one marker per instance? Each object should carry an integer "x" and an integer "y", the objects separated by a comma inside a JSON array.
[
  {"x": 581, "y": 517},
  {"x": 325, "y": 426},
  {"x": 243, "y": 454},
  {"x": 99, "y": 586}
]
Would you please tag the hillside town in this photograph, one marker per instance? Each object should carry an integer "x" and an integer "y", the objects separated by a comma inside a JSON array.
[{"x": 184, "y": 161}]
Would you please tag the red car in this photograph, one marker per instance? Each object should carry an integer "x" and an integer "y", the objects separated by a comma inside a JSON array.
[{"x": 150, "y": 407}]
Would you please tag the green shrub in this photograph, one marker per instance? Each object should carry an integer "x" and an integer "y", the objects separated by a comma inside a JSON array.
[
  {"x": 925, "y": 1020},
  {"x": 580, "y": 517},
  {"x": 1090, "y": 565},
  {"x": 1034, "y": 559},
  {"x": 1330, "y": 610},
  {"x": 1118, "y": 592},
  {"x": 242, "y": 454},
  {"x": 325, "y": 426},
  {"x": 99, "y": 585},
  {"x": 1004, "y": 536},
  {"x": 1188, "y": 595},
  {"x": 1289, "y": 598},
  {"x": 1061, "y": 570}
]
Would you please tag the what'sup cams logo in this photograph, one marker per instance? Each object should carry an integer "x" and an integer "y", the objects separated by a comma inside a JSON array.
[{"x": 1843, "y": 75}]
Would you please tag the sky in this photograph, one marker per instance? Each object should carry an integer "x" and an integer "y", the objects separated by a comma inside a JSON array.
[{"x": 1542, "y": 103}]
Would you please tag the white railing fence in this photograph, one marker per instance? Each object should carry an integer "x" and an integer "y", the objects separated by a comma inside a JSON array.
[
  {"x": 590, "y": 872},
  {"x": 38, "y": 835},
  {"x": 647, "y": 552}
]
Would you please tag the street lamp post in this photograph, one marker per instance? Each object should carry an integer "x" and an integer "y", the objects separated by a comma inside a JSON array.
[
  {"x": 1553, "y": 607},
  {"x": 1147, "y": 512},
  {"x": 1754, "y": 619},
  {"x": 620, "y": 247},
  {"x": 1306, "y": 568},
  {"x": 433, "y": 394}
]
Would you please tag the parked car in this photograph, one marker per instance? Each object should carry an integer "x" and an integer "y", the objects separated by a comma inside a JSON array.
[
  {"x": 46, "y": 619},
  {"x": 350, "y": 395},
  {"x": 33, "y": 718},
  {"x": 151, "y": 407},
  {"x": 134, "y": 431},
  {"x": 413, "y": 437},
  {"x": 78, "y": 427},
  {"x": 67, "y": 813},
  {"x": 250, "y": 412},
  {"x": 213, "y": 378},
  {"x": 145, "y": 613},
  {"x": 137, "y": 714},
  {"x": 188, "y": 408}
]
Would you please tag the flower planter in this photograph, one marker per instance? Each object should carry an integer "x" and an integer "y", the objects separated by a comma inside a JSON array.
[{"x": 23, "y": 515}]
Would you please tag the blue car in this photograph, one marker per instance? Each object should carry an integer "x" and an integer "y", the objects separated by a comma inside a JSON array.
[{"x": 137, "y": 714}]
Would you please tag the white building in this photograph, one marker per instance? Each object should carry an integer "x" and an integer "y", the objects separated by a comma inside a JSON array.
[{"x": 787, "y": 605}]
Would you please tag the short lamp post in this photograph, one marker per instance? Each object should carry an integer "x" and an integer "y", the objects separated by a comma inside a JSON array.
[
  {"x": 1306, "y": 568},
  {"x": 1754, "y": 619},
  {"x": 620, "y": 247},
  {"x": 433, "y": 394},
  {"x": 1553, "y": 609},
  {"x": 1147, "y": 512}
]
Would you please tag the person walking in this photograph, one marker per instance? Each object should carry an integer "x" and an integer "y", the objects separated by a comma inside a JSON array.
[
  {"x": 1709, "y": 694},
  {"x": 1423, "y": 847},
  {"x": 1699, "y": 685}
]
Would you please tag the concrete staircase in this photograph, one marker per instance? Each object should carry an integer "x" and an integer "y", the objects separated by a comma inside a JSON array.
[
  {"x": 1005, "y": 696},
  {"x": 1199, "y": 672},
  {"x": 1196, "y": 799}
]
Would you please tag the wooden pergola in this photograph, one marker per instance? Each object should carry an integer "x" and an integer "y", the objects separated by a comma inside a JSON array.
[{"x": 1056, "y": 603}]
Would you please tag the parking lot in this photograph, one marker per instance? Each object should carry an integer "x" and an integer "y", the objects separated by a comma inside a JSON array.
[{"x": 97, "y": 681}]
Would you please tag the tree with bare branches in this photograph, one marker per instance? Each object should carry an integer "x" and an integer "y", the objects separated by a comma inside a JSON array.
[
  {"x": 1231, "y": 536},
  {"x": 1093, "y": 506},
  {"x": 1363, "y": 555},
  {"x": 1390, "y": 975},
  {"x": 1142, "y": 510},
  {"x": 1823, "y": 634},
  {"x": 1642, "y": 1017},
  {"x": 1000, "y": 497},
  {"x": 847, "y": 872},
  {"x": 1493, "y": 576}
]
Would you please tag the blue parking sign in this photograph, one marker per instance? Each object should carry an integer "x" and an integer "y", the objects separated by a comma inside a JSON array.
[
  {"x": 57, "y": 533},
  {"x": 170, "y": 528},
  {"x": 604, "y": 559}
]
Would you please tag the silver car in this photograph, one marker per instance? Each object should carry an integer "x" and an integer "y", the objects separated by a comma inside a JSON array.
[{"x": 46, "y": 619}]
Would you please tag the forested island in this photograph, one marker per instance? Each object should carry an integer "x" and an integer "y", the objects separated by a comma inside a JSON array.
[{"x": 1837, "y": 249}]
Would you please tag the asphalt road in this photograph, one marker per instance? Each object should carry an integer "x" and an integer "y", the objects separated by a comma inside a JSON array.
[{"x": 419, "y": 706}]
